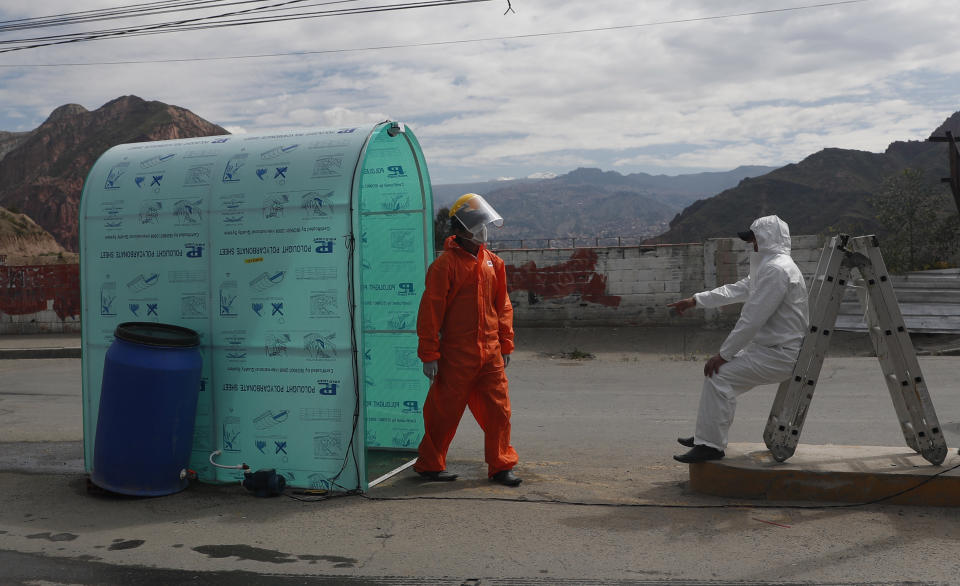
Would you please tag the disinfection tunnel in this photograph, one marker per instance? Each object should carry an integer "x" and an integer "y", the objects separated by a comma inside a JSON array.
[{"x": 299, "y": 260}]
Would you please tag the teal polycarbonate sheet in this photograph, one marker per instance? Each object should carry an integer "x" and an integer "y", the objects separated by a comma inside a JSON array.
[
  {"x": 145, "y": 257},
  {"x": 395, "y": 225},
  {"x": 286, "y": 393},
  {"x": 246, "y": 240}
]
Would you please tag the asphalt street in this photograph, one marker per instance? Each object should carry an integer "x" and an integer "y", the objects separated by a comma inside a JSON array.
[{"x": 595, "y": 417}]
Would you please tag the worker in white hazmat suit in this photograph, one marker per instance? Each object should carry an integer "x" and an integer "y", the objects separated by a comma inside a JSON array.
[{"x": 762, "y": 348}]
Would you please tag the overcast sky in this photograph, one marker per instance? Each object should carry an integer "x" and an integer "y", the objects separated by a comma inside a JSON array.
[{"x": 710, "y": 93}]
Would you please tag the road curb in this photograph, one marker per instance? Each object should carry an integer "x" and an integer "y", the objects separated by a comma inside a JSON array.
[{"x": 22, "y": 353}]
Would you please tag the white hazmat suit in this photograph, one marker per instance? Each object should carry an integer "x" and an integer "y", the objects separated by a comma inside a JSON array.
[{"x": 762, "y": 348}]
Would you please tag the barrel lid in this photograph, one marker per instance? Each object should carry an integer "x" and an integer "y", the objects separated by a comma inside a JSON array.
[{"x": 157, "y": 334}]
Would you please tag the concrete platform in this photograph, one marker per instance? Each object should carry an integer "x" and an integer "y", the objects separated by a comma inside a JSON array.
[{"x": 850, "y": 474}]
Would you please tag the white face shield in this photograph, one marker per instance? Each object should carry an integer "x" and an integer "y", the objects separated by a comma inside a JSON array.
[{"x": 475, "y": 214}]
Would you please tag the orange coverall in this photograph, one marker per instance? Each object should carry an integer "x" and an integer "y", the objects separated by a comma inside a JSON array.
[{"x": 465, "y": 322}]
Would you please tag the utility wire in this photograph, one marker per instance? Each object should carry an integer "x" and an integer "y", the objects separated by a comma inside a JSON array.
[
  {"x": 119, "y": 12},
  {"x": 198, "y": 23},
  {"x": 452, "y": 42},
  {"x": 187, "y": 24},
  {"x": 288, "y": 5}
]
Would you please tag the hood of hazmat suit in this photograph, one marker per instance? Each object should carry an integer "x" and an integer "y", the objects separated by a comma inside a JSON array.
[{"x": 774, "y": 295}]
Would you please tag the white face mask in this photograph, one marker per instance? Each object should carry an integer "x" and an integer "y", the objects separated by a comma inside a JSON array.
[{"x": 481, "y": 236}]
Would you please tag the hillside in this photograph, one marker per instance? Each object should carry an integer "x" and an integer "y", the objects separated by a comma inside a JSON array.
[
  {"x": 11, "y": 140},
  {"x": 828, "y": 191},
  {"x": 23, "y": 242},
  {"x": 42, "y": 171}
]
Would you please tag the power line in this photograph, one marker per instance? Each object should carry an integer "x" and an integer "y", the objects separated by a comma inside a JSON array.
[
  {"x": 175, "y": 26},
  {"x": 177, "y": 6},
  {"x": 220, "y": 21},
  {"x": 452, "y": 42},
  {"x": 118, "y": 12},
  {"x": 93, "y": 35}
]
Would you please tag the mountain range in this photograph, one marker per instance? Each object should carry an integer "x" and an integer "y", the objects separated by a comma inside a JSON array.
[
  {"x": 42, "y": 173},
  {"x": 590, "y": 203},
  {"x": 827, "y": 192}
]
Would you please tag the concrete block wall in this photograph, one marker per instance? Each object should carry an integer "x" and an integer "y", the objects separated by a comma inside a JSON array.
[
  {"x": 551, "y": 287},
  {"x": 39, "y": 299},
  {"x": 621, "y": 286},
  {"x": 558, "y": 287}
]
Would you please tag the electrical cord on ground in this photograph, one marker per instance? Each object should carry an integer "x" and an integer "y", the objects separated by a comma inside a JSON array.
[
  {"x": 572, "y": 503},
  {"x": 314, "y": 496}
]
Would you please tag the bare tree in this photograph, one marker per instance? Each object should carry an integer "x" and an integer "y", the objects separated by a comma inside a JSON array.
[{"x": 441, "y": 228}]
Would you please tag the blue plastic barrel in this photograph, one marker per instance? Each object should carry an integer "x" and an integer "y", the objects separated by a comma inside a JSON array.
[{"x": 148, "y": 403}]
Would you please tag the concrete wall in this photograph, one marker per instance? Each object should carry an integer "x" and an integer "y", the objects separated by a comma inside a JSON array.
[
  {"x": 605, "y": 286},
  {"x": 39, "y": 299},
  {"x": 564, "y": 287},
  {"x": 618, "y": 286}
]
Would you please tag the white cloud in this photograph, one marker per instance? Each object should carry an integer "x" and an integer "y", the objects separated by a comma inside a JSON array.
[{"x": 706, "y": 94}]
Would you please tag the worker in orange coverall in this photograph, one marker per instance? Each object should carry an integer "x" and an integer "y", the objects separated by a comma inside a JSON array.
[{"x": 465, "y": 326}]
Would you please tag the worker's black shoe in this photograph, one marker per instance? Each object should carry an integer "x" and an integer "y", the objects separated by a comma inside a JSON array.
[
  {"x": 438, "y": 475},
  {"x": 685, "y": 441},
  {"x": 699, "y": 453},
  {"x": 506, "y": 478}
]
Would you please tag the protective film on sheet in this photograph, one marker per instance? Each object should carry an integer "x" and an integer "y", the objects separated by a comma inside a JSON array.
[{"x": 251, "y": 241}]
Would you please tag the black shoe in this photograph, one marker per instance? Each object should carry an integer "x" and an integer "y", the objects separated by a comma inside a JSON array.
[
  {"x": 438, "y": 476},
  {"x": 699, "y": 453},
  {"x": 506, "y": 478},
  {"x": 685, "y": 441}
]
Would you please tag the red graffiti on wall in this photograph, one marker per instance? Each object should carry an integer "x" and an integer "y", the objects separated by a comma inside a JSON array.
[
  {"x": 25, "y": 290},
  {"x": 577, "y": 276}
]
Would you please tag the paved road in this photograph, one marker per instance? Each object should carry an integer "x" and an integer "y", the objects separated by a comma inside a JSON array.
[{"x": 602, "y": 501}]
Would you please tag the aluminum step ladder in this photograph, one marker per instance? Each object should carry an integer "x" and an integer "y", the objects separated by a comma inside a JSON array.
[{"x": 841, "y": 258}]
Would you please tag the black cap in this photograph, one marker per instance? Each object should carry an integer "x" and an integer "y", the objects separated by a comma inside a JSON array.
[{"x": 747, "y": 236}]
